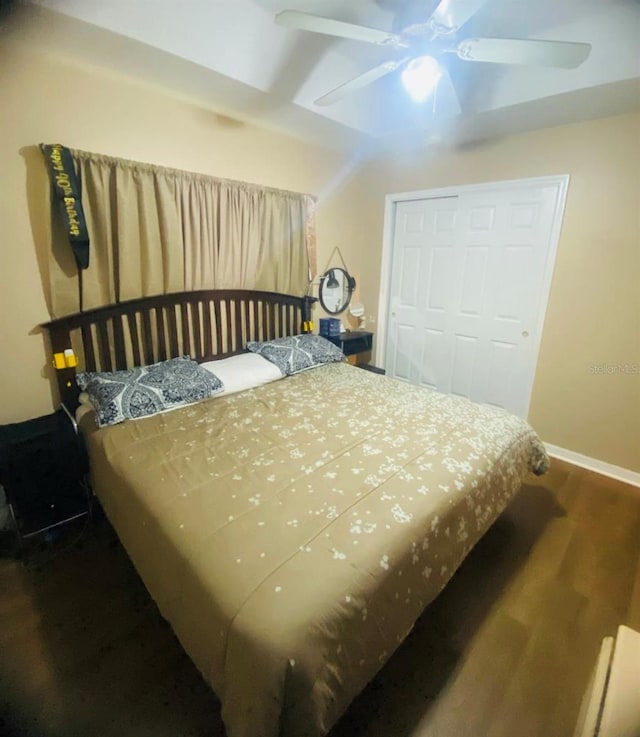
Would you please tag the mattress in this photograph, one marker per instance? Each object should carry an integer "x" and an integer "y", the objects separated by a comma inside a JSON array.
[{"x": 293, "y": 533}]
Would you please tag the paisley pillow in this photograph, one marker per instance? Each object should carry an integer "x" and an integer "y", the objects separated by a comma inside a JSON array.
[
  {"x": 146, "y": 390},
  {"x": 298, "y": 352}
]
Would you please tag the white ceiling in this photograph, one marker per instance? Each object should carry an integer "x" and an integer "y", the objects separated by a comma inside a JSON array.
[{"x": 230, "y": 55}]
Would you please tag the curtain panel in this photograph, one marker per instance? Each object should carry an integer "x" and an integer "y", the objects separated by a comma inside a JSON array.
[{"x": 155, "y": 230}]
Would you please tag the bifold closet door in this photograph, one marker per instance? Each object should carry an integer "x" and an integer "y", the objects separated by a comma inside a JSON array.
[{"x": 467, "y": 291}]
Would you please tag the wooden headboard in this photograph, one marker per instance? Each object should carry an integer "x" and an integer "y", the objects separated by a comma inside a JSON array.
[{"x": 204, "y": 325}]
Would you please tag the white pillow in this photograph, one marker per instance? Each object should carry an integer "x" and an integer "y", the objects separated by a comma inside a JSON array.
[{"x": 245, "y": 371}]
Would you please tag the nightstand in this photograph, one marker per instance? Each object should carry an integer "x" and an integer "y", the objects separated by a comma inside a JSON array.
[
  {"x": 43, "y": 469},
  {"x": 357, "y": 345}
]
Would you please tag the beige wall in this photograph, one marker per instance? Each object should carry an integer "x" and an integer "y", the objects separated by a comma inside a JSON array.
[
  {"x": 594, "y": 308},
  {"x": 49, "y": 100},
  {"x": 593, "y": 315}
]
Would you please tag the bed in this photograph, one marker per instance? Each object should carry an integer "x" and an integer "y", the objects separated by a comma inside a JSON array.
[{"x": 291, "y": 533}]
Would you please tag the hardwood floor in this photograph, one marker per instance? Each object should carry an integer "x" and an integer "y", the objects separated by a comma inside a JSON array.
[{"x": 505, "y": 651}]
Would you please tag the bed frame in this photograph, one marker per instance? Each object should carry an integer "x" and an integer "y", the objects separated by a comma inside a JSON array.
[{"x": 204, "y": 324}]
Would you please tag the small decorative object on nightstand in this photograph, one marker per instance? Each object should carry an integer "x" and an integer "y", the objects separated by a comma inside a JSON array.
[
  {"x": 43, "y": 469},
  {"x": 356, "y": 309}
]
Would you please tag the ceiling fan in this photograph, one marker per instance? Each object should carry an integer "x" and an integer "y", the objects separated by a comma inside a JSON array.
[{"x": 421, "y": 40}]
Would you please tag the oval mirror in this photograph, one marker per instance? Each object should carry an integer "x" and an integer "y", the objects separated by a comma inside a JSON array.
[{"x": 335, "y": 290}]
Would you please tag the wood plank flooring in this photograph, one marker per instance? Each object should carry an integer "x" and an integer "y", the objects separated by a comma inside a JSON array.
[{"x": 505, "y": 651}]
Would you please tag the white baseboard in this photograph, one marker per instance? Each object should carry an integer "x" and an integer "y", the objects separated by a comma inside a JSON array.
[{"x": 592, "y": 464}]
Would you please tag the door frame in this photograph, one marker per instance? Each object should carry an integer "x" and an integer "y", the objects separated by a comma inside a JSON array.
[{"x": 561, "y": 181}]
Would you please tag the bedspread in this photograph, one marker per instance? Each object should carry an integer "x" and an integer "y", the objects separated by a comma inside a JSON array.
[{"x": 292, "y": 534}]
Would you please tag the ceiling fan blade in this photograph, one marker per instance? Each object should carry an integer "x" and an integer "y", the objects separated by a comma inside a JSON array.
[
  {"x": 358, "y": 82},
  {"x": 316, "y": 24},
  {"x": 520, "y": 51},
  {"x": 451, "y": 15}
]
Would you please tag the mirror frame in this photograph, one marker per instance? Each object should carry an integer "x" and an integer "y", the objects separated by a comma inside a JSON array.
[{"x": 350, "y": 285}]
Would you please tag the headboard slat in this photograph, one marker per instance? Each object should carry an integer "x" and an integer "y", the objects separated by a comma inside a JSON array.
[
  {"x": 186, "y": 328},
  {"x": 174, "y": 347},
  {"x": 218, "y": 320},
  {"x": 206, "y": 310},
  {"x": 256, "y": 315},
  {"x": 147, "y": 337},
  {"x": 118, "y": 342},
  {"x": 281, "y": 318},
  {"x": 228, "y": 343},
  {"x": 272, "y": 321},
  {"x": 162, "y": 343},
  {"x": 265, "y": 321},
  {"x": 239, "y": 309},
  {"x": 89, "y": 353},
  {"x": 104, "y": 349},
  {"x": 290, "y": 320},
  {"x": 129, "y": 334},
  {"x": 135, "y": 341},
  {"x": 195, "y": 319}
]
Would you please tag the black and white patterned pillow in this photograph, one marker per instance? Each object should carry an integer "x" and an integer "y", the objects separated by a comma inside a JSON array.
[
  {"x": 298, "y": 352},
  {"x": 145, "y": 390}
]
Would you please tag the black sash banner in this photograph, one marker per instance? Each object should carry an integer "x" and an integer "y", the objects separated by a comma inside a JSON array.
[{"x": 67, "y": 192}]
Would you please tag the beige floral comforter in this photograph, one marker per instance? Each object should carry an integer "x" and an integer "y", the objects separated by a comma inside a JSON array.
[{"x": 292, "y": 534}]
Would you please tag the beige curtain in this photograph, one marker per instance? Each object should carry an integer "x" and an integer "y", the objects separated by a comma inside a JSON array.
[{"x": 155, "y": 230}]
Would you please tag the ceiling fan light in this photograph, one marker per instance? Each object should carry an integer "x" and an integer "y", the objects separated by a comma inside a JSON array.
[{"x": 420, "y": 77}]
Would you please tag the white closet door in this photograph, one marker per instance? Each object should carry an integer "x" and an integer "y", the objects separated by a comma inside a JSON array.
[{"x": 468, "y": 290}]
